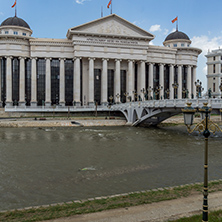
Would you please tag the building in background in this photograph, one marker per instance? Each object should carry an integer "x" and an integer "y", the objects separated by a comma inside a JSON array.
[
  {"x": 106, "y": 60},
  {"x": 214, "y": 72}
]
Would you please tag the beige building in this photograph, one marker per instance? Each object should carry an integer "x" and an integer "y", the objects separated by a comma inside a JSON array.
[
  {"x": 214, "y": 72},
  {"x": 103, "y": 61}
]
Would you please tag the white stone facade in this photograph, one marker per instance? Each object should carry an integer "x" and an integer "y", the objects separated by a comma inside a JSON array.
[
  {"x": 111, "y": 58},
  {"x": 214, "y": 72}
]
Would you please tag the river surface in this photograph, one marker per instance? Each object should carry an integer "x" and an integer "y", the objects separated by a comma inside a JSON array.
[{"x": 45, "y": 166}]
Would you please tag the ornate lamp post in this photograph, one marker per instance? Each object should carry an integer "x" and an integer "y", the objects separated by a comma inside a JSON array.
[
  {"x": 135, "y": 95},
  {"x": 126, "y": 94},
  {"x": 118, "y": 96},
  {"x": 175, "y": 86},
  {"x": 111, "y": 99},
  {"x": 157, "y": 91},
  {"x": 199, "y": 88},
  {"x": 166, "y": 94},
  {"x": 206, "y": 126}
]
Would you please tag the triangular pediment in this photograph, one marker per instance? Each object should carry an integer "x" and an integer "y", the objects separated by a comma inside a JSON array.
[{"x": 111, "y": 25}]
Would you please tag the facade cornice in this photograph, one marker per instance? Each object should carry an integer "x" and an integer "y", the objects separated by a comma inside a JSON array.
[
  {"x": 214, "y": 62},
  {"x": 105, "y": 35},
  {"x": 199, "y": 51},
  {"x": 47, "y": 42},
  {"x": 214, "y": 75}
]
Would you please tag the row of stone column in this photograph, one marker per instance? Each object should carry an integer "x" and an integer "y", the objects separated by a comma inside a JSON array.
[{"x": 130, "y": 79}]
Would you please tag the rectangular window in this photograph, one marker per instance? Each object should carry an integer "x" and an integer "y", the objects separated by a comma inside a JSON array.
[
  {"x": 6, "y": 32},
  {"x": 182, "y": 45},
  {"x": 214, "y": 87},
  {"x": 15, "y": 33},
  {"x": 174, "y": 45},
  {"x": 24, "y": 33},
  {"x": 214, "y": 68},
  {"x": 214, "y": 58}
]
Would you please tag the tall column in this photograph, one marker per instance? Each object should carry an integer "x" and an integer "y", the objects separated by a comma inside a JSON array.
[
  {"x": 161, "y": 66},
  {"x": 77, "y": 83},
  {"x": 9, "y": 82},
  {"x": 130, "y": 83},
  {"x": 117, "y": 81},
  {"x": 171, "y": 81},
  {"x": 62, "y": 82},
  {"x": 189, "y": 81},
  {"x": 0, "y": 82},
  {"x": 22, "y": 82},
  {"x": 141, "y": 78},
  {"x": 91, "y": 81},
  {"x": 150, "y": 88},
  {"x": 48, "y": 83},
  {"x": 104, "y": 83},
  {"x": 179, "y": 92},
  {"x": 194, "y": 80},
  {"x": 34, "y": 84}
]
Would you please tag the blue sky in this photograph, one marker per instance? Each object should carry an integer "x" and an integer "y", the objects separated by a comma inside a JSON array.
[{"x": 199, "y": 19}]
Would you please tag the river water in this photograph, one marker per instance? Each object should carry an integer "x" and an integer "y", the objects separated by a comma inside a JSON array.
[{"x": 45, "y": 166}]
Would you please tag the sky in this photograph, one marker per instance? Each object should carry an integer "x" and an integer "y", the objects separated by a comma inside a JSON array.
[{"x": 199, "y": 19}]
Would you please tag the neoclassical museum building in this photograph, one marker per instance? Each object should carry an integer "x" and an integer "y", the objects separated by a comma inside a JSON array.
[{"x": 102, "y": 61}]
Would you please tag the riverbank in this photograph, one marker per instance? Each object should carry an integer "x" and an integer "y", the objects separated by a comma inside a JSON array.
[
  {"x": 57, "y": 122},
  {"x": 85, "y": 121},
  {"x": 162, "y": 204}
]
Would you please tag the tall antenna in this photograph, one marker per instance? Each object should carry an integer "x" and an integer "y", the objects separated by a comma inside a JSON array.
[{"x": 101, "y": 11}]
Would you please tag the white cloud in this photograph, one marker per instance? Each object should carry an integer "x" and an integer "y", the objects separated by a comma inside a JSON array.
[
  {"x": 166, "y": 31},
  {"x": 203, "y": 42},
  {"x": 81, "y": 1},
  {"x": 155, "y": 28}
]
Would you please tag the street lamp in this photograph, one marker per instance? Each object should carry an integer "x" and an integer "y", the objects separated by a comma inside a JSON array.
[
  {"x": 175, "y": 86},
  {"x": 111, "y": 99},
  {"x": 166, "y": 94},
  {"x": 118, "y": 96},
  {"x": 206, "y": 126}
]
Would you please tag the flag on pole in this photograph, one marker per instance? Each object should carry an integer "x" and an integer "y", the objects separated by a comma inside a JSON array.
[
  {"x": 174, "y": 20},
  {"x": 110, "y": 2},
  {"x": 14, "y": 4}
]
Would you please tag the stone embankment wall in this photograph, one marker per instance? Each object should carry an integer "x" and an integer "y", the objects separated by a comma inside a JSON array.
[{"x": 60, "y": 123}]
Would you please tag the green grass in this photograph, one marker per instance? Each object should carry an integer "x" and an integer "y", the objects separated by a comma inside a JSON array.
[{"x": 98, "y": 205}]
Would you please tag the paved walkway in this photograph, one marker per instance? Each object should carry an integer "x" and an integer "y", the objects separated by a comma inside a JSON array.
[{"x": 155, "y": 212}]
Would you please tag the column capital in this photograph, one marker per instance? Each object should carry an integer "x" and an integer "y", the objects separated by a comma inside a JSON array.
[
  {"x": 105, "y": 59},
  {"x": 77, "y": 57},
  {"x": 22, "y": 58},
  {"x": 118, "y": 60},
  {"x": 162, "y": 64},
  {"x": 92, "y": 59},
  {"x": 9, "y": 57},
  {"x": 33, "y": 58},
  {"x": 142, "y": 61},
  {"x": 62, "y": 59},
  {"x": 48, "y": 58},
  {"x": 150, "y": 63},
  {"x": 131, "y": 60}
]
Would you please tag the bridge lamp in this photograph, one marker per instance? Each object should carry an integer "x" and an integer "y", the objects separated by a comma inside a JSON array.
[{"x": 206, "y": 126}]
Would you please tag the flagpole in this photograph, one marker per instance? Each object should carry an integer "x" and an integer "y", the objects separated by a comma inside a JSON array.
[
  {"x": 177, "y": 24},
  {"x": 112, "y": 7}
]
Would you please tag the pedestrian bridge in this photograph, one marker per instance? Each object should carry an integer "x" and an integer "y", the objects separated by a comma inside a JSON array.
[{"x": 150, "y": 112}]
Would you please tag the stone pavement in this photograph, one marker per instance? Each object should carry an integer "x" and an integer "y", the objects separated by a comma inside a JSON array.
[{"x": 155, "y": 212}]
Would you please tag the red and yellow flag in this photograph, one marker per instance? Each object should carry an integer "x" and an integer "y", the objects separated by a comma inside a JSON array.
[
  {"x": 14, "y": 4},
  {"x": 174, "y": 20},
  {"x": 110, "y": 2}
]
